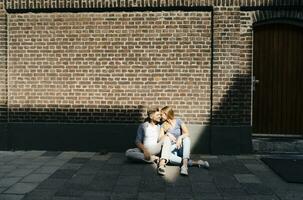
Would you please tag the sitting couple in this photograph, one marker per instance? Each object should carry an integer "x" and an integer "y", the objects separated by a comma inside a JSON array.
[{"x": 170, "y": 141}]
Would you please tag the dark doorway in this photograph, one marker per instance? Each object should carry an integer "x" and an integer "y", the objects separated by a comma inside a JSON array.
[{"x": 278, "y": 85}]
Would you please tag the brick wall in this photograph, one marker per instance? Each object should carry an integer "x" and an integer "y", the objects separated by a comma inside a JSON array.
[
  {"x": 45, "y": 4},
  {"x": 108, "y": 66},
  {"x": 228, "y": 81},
  {"x": 3, "y": 79}
]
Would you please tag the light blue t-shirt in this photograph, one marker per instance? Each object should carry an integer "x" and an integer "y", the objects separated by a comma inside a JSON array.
[{"x": 176, "y": 129}]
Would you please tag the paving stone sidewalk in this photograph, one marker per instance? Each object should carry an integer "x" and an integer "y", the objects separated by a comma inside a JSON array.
[{"x": 41, "y": 175}]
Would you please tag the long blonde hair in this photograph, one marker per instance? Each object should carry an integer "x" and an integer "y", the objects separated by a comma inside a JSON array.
[{"x": 170, "y": 115}]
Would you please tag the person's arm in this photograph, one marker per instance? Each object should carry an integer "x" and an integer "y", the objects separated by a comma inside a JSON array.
[
  {"x": 139, "y": 141},
  {"x": 144, "y": 150},
  {"x": 185, "y": 133},
  {"x": 162, "y": 134}
]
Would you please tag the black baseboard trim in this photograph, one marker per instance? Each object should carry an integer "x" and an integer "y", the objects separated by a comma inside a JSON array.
[{"x": 115, "y": 137}]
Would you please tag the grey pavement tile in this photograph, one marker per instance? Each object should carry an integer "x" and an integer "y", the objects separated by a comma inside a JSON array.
[
  {"x": 86, "y": 154},
  {"x": 37, "y": 194},
  {"x": 246, "y": 157},
  {"x": 131, "y": 170},
  {"x": 21, "y": 188},
  {"x": 22, "y": 161},
  {"x": 208, "y": 196},
  {"x": 2, "y": 174},
  {"x": 232, "y": 192},
  {"x": 87, "y": 171},
  {"x": 235, "y": 167},
  {"x": 247, "y": 178},
  {"x": 56, "y": 162},
  {"x": 116, "y": 155},
  {"x": 154, "y": 180},
  {"x": 180, "y": 181},
  {"x": 202, "y": 188},
  {"x": 102, "y": 184},
  {"x": 32, "y": 166},
  {"x": 12, "y": 153},
  {"x": 32, "y": 154},
  {"x": 290, "y": 195},
  {"x": 70, "y": 192},
  {"x": 78, "y": 160},
  {"x": 257, "y": 189},
  {"x": 66, "y": 198},
  {"x": 250, "y": 161},
  {"x": 95, "y": 163},
  {"x": 151, "y": 187},
  {"x": 179, "y": 195},
  {"x": 256, "y": 167},
  {"x": 10, "y": 197},
  {"x": 265, "y": 197},
  {"x": 42, "y": 160},
  {"x": 7, "y": 168},
  {"x": 129, "y": 180},
  {"x": 106, "y": 175},
  {"x": 63, "y": 173},
  {"x": 66, "y": 155},
  {"x": 71, "y": 166},
  {"x": 89, "y": 195},
  {"x": 51, "y": 153},
  {"x": 51, "y": 184},
  {"x": 46, "y": 169},
  {"x": 19, "y": 173},
  {"x": 225, "y": 158},
  {"x": 3, "y": 189},
  {"x": 149, "y": 170},
  {"x": 198, "y": 175},
  {"x": 101, "y": 157},
  {"x": 9, "y": 181},
  {"x": 123, "y": 196},
  {"x": 178, "y": 190},
  {"x": 240, "y": 198},
  {"x": 81, "y": 179},
  {"x": 125, "y": 189},
  {"x": 110, "y": 168},
  {"x": 223, "y": 181},
  {"x": 35, "y": 178},
  {"x": 116, "y": 161},
  {"x": 151, "y": 195}
]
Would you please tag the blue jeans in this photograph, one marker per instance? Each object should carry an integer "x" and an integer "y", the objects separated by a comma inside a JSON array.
[{"x": 177, "y": 155}]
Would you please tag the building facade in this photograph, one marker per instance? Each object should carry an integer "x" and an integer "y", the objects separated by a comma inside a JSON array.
[{"x": 79, "y": 75}]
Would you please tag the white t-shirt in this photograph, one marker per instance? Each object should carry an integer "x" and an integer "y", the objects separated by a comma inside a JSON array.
[{"x": 151, "y": 135}]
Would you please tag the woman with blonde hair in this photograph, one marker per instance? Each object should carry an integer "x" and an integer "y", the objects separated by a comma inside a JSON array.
[{"x": 178, "y": 134}]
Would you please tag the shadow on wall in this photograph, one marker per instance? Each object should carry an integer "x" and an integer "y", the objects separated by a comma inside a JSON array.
[
  {"x": 101, "y": 129},
  {"x": 71, "y": 129},
  {"x": 230, "y": 129}
]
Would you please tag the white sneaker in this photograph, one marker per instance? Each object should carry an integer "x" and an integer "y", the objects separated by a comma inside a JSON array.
[
  {"x": 204, "y": 164},
  {"x": 184, "y": 170}
]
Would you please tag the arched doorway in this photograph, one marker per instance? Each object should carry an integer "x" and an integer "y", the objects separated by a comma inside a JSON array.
[{"x": 278, "y": 85}]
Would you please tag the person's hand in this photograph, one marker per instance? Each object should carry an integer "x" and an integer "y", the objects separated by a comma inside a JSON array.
[
  {"x": 179, "y": 143},
  {"x": 146, "y": 155},
  {"x": 172, "y": 137}
]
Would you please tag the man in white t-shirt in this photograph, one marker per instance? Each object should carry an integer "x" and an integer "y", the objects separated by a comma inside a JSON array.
[{"x": 150, "y": 143}]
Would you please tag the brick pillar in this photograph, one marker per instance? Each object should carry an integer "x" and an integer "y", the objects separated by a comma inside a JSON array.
[
  {"x": 227, "y": 80},
  {"x": 231, "y": 86},
  {"x": 3, "y": 95},
  {"x": 3, "y": 79}
]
